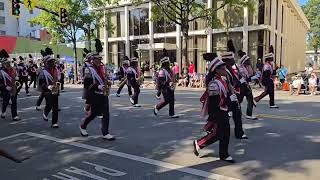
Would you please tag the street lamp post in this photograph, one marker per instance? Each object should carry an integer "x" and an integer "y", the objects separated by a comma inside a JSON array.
[{"x": 90, "y": 30}]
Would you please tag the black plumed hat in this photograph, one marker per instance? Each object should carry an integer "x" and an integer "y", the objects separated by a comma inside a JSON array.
[
  {"x": 98, "y": 45},
  {"x": 230, "y": 46}
]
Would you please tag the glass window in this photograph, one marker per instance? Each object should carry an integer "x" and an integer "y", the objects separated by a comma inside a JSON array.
[
  {"x": 2, "y": 20},
  {"x": 144, "y": 21},
  {"x": 1, "y": 5},
  {"x": 2, "y": 33}
]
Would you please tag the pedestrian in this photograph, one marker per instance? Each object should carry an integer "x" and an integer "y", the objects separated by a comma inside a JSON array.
[
  {"x": 71, "y": 75},
  {"x": 216, "y": 104},
  {"x": 191, "y": 69},
  {"x": 313, "y": 84},
  {"x": 8, "y": 86},
  {"x": 166, "y": 84},
  {"x": 61, "y": 67},
  {"x": 122, "y": 73},
  {"x": 96, "y": 83},
  {"x": 283, "y": 73},
  {"x": 134, "y": 79},
  {"x": 22, "y": 70},
  {"x": 32, "y": 71},
  {"x": 234, "y": 85},
  {"x": 176, "y": 70},
  {"x": 267, "y": 81},
  {"x": 49, "y": 82},
  {"x": 246, "y": 72}
]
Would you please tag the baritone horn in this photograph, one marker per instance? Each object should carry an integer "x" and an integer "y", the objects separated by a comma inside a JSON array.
[
  {"x": 107, "y": 87},
  {"x": 15, "y": 88},
  {"x": 122, "y": 83},
  {"x": 56, "y": 88}
]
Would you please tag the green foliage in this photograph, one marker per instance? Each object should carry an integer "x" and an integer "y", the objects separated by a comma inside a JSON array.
[{"x": 312, "y": 12}]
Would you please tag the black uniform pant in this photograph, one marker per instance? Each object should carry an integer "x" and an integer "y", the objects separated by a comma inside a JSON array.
[
  {"x": 136, "y": 89},
  {"x": 246, "y": 91},
  {"x": 51, "y": 105},
  {"x": 62, "y": 81},
  {"x": 24, "y": 80},
  {"x": 100, "y": 105},
  {"x": 121, "y": 87},
  {"x": 6, "y": 98},
  {"x": 168, "y": 96},
  {"x": 219, "y": 129},
  {"x": 40, "y": 99},
  {"x": 268, "y": 89},
  {"x": 33, "y": 79},
  {"x": 237, "y": 119}
]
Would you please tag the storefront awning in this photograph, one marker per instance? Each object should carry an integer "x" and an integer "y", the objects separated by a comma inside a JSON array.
[{"x": 157, "y": 46}]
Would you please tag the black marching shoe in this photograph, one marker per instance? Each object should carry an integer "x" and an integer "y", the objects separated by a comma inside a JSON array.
[
  {"x": 45, "y": 118},
  {"x": 243, "y": 137},
  {"x": 3, "y": 115},
  {"x": 55, "y": 126},
  {"x": 196, "y": 148},
  {"x": 228, "y": 159}
]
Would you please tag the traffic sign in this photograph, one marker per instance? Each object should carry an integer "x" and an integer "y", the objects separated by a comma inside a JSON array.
[{"x": 30, "y": 4}]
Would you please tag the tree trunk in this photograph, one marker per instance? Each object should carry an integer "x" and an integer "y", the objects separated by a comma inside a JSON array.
[
  {"x": 316, "y": 56},
  {"x": 75, "y": 54},
  {"x": 185, "y": 60},
  {"x": 89, "y": 38}
]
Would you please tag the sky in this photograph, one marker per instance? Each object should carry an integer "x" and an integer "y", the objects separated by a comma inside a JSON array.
[{"x": 302, "y": 2}]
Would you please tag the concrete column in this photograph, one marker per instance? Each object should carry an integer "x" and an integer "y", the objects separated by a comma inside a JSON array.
[
  {"x": 105, "y": 45},
  {"x": 179, "y": 45},
  {"x": 151, "y": 38},
  {"x": 209, "y": 36},
  {"x": 273, "y": 22},
  {"x": 245, "y": 33},
  {"x": 127, "y": 34}
]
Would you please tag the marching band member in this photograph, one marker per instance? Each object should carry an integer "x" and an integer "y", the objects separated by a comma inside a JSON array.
[
  {"x": 97, "y": 83},
  {"x": 49, "y": 83},
  {"x": 246, "y": 72},
  {"x": 267, "y": 80},
  {"x": 60, "y": 67},
  {"x": 166, "y": 84},
  {"x": 122, "y": 77},
  {"x": 133, "y": 76},
  {"x": 23, "y": 75},
  {"x": 216, "y": 106},
  {"x": 234, "y": 84},
  {"x": 32, "y": 70},
  {"x": 8, "y": 86}
]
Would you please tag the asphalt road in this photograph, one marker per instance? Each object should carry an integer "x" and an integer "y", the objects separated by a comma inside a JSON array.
[{"x": 283, "y": 143}]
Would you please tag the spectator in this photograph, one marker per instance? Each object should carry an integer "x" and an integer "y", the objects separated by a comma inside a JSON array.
[
  {"x": 175, "y": 70},
  {"x": 276, "y": 83},
  {"x": 259, "y": 65},
  {"x": 313, "y": 84},
  {"x": 283, "y": 73},
  {"x": 71, "y": 75},
  {"x": 256, "y": 78},
  {"x": 296, "y": 84},
  {"x": 191, "y": 68},
  {"x": 308, "y": 70}
]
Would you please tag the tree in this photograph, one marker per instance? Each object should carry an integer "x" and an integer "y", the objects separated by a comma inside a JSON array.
[
  {"x": 182, "y": 12},
  {"x": 78, "y": 18},
  {"x": 312, "y": 11}
]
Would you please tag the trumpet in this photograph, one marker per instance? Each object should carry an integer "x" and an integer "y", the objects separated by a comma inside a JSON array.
[{"x": 56, "y": 88}]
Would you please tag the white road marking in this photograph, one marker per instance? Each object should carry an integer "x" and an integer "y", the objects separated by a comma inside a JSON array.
[{"x": 128, "y": 156}]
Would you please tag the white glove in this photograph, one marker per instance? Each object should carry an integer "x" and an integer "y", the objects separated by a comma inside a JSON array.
[
  {"x": 242, "y": 80},
  {"x": 101, "y": 87},
  {"x": 17, "y": 78},
  {"x": 50, "y": 87},
  {"x": 9, "y": 88},
  {"x": 233, "y": 98}
]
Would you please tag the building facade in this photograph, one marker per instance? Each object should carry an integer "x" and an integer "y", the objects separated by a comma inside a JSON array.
[
  {"x": 11, "y": 26},
  {"x": 280, "y": 23}
]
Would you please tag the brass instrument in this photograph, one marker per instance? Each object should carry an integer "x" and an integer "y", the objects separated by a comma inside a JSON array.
[
  {"x": 56, "y": 88},
  {"x": 123, "y": 82},
  {"x": 15, "y": 87},
  {"x": 140, "y": 80},
  {"x": 107, "y": 83}
]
